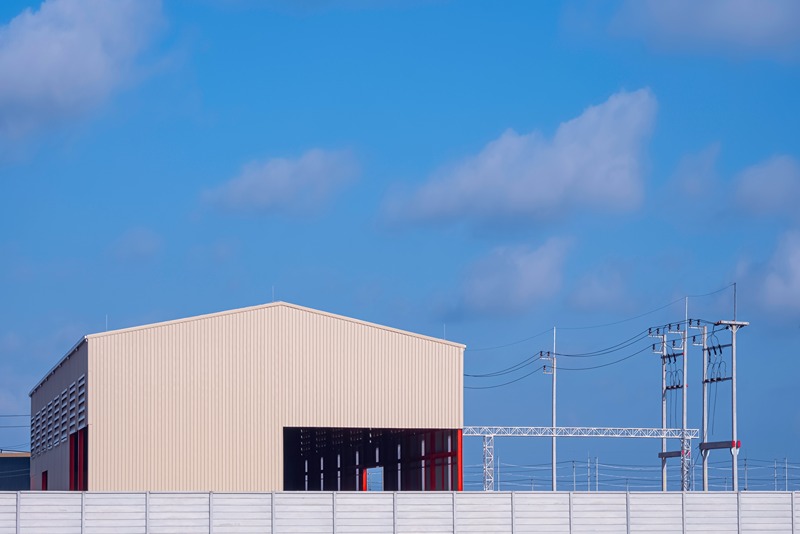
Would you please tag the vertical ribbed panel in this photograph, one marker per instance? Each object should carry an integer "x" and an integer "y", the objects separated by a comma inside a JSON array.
[{"x": 200, "y": 404}]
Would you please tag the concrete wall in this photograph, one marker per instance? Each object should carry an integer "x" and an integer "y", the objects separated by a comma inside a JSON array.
[
  {"x": 445, "y": 513},
  {"x": 200, "y": 404}
]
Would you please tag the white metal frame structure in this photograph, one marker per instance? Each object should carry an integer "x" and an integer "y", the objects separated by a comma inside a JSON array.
[{"x": 488, "y": 434}]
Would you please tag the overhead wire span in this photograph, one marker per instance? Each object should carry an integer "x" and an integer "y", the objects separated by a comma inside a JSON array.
[
  {"x": 543, "y": 332},
  {"x": 515, "y": 367},
  {"x": 507, "y": 383},
  {"x": 604, "y": 364},
  {"x": 608, "y": 350}
]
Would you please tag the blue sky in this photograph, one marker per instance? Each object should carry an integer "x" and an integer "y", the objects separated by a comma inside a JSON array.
[{"x": 480, "y": 171}]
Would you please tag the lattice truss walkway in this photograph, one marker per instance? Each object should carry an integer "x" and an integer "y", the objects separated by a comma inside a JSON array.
[{"x": 488, "y": 434}]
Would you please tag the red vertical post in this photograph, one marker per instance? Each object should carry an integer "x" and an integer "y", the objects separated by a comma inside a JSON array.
[
  {"x": 72, "y": 451},
  {"x": 431, "y": 463},
  {"x": 459, "y": 463},
  {"x": 364, "y": 479},
  {"x": 81, "y": 460}
]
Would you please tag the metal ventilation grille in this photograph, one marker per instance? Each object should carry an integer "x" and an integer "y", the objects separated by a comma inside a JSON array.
[{"x": 64, "y": 415}]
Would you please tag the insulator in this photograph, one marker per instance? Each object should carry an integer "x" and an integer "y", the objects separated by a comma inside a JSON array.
[
  {"x": 654, "y": 347},
  {"x": 694, "y": 339},
  {"x": 658, "y": 331},
  {"x": 673, "y": 342},
  {"x": 649, "y": 331},
  {"x": 670, "y": 326}
]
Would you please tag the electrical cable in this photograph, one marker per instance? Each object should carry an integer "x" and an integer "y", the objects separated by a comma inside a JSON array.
[
  {"x": 608, "y": 350},
  {"x": 507, "y": 370},
  {"x": 600, "y": 325},
  {"x": 543, "y": 332},
  {"x": 605, "y": 364},
  {"x": 506, "y": 383}
]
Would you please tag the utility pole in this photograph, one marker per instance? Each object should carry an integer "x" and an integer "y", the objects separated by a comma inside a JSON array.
[
  {"x": 734, "y": 327},
  {"x": 551, "y": 357},
  {"x": 686, "y": 461},
  {"x": 554, "y": 410},
  {"x": 705, "y": 356},
  {"x": 662, "y": 350}
]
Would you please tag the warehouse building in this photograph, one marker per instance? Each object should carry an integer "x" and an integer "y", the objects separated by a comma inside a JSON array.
[{"x": 265, "y": 398}]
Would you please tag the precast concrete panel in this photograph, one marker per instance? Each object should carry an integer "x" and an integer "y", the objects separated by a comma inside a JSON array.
[{"x": 200, "y": 404}]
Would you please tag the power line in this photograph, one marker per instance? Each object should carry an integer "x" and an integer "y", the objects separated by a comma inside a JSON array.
[
  {"x": 603, "y": 365},
  {"x": 609, "y": 350},
  {"x": 507, "y": 370},
  {"x": 543, "y": 332},
  {"x": 645, "y": 313},
  {"x": 506, "y": 383}
]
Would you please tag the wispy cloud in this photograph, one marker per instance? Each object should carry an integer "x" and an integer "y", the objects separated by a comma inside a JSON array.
[
  {"x": 136, "y": 245},
  {"x": 512, "y": 279},
  {"x": 593, "y": 161},
  {"x": 696, "y": 176},
  {"x": 67, "y": 57},
  {"x": 283, "y": 185},
  {"x": 780, "y": 284},
  {"x": 604, "y": 288},
  {"x": 771, "y": 187},
  {"x": 763, "y": 27}
]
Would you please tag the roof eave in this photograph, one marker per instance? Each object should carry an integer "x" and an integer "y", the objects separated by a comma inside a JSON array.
[{"x": 64, "y": 358}]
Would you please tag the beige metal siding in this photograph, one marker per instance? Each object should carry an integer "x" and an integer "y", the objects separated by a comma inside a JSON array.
[
  {"x": 56, "y": 460},
  {"x": 201, "y": 404}
]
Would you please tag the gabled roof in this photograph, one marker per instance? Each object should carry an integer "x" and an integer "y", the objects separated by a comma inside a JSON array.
[{"x": 232, "y": 312}]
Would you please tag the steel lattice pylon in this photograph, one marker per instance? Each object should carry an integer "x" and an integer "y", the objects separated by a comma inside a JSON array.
[
  {"x": 488, "y": 462},
  {"x": 488, "y": 434}
]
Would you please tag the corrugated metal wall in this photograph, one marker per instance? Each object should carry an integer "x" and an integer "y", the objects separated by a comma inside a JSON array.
[
  {"x": 200, "y": 404},
  {"x": 55, "y": 458},
  {"x": 396, "y": 513}
]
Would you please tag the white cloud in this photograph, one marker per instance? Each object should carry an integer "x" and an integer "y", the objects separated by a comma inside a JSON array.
[
  {"x": 780, "y": 286},
  {"x": 769, "y": 27},
  {"x": 286, "y": 185},
  {"x": 66, "y": 58},
  {"x": 696, "y": 176},
  {"x": 137, "y": 245},
  {"x": 602, "y": 289},
  {"x": 771, "y": 187},
  {"x": 593, "y": 161},
  {"x": 511, "y": 279}
]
